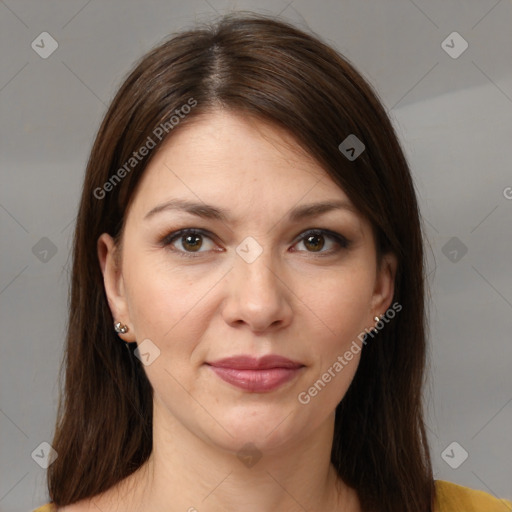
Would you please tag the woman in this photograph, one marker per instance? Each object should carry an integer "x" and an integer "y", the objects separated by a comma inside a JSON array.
[{"x": 247, "y": 324}]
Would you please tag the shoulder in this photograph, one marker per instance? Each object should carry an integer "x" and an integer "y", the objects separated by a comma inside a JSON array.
[
  {"x": 82, "y": 506},
  {"x": 451, "y": 497},
  {"x": 49, "y": 507}
]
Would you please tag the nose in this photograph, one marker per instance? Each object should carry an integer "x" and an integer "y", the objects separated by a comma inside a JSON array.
[{"x": 258, "y": 295}]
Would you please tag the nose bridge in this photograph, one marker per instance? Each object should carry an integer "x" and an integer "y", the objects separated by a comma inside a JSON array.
[
  {"x": 257, "y": 294},
  {"x": 255, "y": 268}
]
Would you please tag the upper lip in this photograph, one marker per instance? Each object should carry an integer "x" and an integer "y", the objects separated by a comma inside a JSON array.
[{"x": 246, "y": 362}]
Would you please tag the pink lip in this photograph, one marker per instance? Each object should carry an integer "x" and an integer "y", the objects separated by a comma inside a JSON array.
[{"x": 256, "y": 374}]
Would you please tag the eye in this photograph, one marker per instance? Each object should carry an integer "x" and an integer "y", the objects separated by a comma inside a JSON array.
[
  {"x": 191, "y": 241},
  {"x": 315, "y": 240}
]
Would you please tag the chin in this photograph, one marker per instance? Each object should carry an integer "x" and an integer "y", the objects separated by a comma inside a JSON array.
[{"x": 262, "y": 426}]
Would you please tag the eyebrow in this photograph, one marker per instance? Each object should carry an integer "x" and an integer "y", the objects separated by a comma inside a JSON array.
[{"x": 207, "y": 211}]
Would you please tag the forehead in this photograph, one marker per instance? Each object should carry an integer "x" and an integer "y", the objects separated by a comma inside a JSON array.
[
  {"x": 245, "y": 141},
  {"x": 237, "y": 161}
]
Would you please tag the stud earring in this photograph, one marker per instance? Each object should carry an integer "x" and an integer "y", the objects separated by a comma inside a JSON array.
[
  {"x": 377, "y": 320},
  {"x": 120, "y": 328}
]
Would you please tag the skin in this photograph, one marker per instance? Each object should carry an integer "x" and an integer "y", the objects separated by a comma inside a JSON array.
[{"x": 289, "y": 301}]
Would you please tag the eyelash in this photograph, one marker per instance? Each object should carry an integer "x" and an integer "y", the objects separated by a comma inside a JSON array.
[{"x": 340, "y": 240}]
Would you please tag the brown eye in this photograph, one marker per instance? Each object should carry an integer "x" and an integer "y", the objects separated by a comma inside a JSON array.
[
  {"x": 315, "y": 242},
  {"x": 191, "y": 241}
]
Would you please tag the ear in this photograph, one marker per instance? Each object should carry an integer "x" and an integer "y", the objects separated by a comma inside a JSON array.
[
  {"x": 108, "y": 256},
  {"x": 384, "y": 285}
]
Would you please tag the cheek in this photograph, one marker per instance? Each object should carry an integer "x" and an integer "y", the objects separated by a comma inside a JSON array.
[
  {"x": 341, "y": 300},
  {"x": 340, "y": 303},
  {"x": 163, "y": 298},
  {"x": 167, "y": 302},
  {"x": 343, "y": 311}
]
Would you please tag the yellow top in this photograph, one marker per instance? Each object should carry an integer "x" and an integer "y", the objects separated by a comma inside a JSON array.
[{"x": 450, "y": 497}]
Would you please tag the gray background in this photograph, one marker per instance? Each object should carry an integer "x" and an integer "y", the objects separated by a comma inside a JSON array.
[{"x": 453, "y": 115}]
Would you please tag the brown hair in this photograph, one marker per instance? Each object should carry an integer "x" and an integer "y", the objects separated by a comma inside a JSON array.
[{"x": 272, "y": 70}]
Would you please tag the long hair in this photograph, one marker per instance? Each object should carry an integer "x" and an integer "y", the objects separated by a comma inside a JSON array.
[{"x": 269, "y": 69}]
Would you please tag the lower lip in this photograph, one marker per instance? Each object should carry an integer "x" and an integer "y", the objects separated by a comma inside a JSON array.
[{"x": 257, "y": 381}]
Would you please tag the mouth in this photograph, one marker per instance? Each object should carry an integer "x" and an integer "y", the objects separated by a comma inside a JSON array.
[{"x": 256, "y": 375}]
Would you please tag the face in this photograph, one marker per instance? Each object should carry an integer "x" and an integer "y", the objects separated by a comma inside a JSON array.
[{"x": 247, "y": 272}]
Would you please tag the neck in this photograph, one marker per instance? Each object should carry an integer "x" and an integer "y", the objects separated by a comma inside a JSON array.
[{"x": 188, "y": 473}]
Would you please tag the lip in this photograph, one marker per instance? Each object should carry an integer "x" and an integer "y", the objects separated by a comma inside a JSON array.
[
  {"x": 257, "y": 375},
  {"x": 246, "y": 362}
]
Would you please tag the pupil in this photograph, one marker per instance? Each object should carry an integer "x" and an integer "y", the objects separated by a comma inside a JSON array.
[
  {"x": 317, "y": 246},
  {"x": 192, "y": 245}
]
